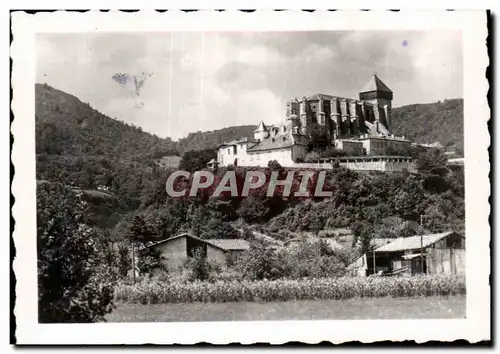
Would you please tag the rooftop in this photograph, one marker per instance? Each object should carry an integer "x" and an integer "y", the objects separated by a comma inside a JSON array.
[
  {"x": 413, "y": 242},
  {"x": 185, "y": 234},
  {"x": 238, "y": 141},
  {"x": 375, "y": 84},
  {"x": 280, "y": 140},
  {"x": 261, "y": 127},
  {"x": 231, "y": 244}
]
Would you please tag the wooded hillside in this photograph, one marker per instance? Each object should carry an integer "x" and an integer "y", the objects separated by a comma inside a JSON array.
[{"x": 427, "y": 123}]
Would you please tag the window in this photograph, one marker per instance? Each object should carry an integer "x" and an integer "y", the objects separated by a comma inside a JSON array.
[
  {"x": 284, "y": 138},
  {"x": 273, "y": 140},
  {"x": 235, "y": 151},
  {"x": 229, "y": 151}
]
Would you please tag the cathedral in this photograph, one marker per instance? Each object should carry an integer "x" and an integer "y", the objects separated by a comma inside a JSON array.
[{"x": 360, "y": 126}]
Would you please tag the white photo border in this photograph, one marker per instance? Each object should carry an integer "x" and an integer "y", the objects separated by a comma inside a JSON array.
[{"x": 476, "y": 325}]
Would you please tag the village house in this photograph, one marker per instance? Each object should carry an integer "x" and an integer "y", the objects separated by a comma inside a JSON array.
[
  {"x": 176, "y": 250},
  {"x": 441, "y": 253},
  {"x": 361, "y": 126},
  {"x": 234, "y": 247}
]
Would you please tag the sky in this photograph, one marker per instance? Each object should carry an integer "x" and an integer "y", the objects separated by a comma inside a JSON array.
[{"x": 174, "y": 83}]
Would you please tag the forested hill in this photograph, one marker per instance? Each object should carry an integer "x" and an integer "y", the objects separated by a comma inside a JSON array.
[
  {"x": 65, "y": 125},
  {"x": 81, "y": 147},
  {"x": 427, "y": 123},
  {"x": 210, "y": 139}
]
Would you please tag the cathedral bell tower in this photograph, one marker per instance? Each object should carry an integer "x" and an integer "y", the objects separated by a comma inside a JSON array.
[{"x": 378, "y": 94}]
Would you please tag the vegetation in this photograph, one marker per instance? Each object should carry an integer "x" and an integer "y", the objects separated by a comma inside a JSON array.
[
  {"x": 428, "y": 123},
  {"x": 101, "y": 189},
  {"x": 287, "y": 290},
  {"x": 77, "y": 266},
  {"x": 211, "y": 139},
  {"x": 196, "y": 160}
]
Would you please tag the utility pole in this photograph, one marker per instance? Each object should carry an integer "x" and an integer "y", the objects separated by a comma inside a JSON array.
[
  {"x": 133, "y": 260},
  {"x": 374, "y": 263},
  {"x": 422, "y": 245}
]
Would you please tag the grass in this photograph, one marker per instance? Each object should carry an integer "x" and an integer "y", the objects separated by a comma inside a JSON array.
[
  {"x": 374, "y": 308},
  {"x": 155, "y": 292}
]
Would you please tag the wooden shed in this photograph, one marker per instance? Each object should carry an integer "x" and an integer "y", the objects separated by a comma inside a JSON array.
[{"x": 441, "y": 253}]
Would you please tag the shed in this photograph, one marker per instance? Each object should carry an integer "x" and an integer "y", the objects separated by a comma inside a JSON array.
[
  {"x": 441, "y": 253},
  {"x": 176, "y": 250},
  {"x": 235, "y": 247}
]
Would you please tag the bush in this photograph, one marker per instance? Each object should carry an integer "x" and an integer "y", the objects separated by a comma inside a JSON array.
[
  {"x": 334, "y": 152},
  {"x": 312, "y": 156},
  {"x": 199, "y": 267},
  {"x": 310, "y": 259},
  {"x": 260, "y": 262},
  {"x": 274, "y": 165},
  {"x": 149, "y": 260}
]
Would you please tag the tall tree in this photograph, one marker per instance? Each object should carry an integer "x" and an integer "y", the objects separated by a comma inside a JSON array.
[{"x": 74, "y": 282}]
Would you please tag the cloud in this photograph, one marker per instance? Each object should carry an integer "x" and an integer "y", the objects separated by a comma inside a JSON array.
[{"x": 205, "y": 81}]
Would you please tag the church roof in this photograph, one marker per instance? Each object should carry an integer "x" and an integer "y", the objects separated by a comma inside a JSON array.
[
  {"x": 376, "y": 84},
  {"x": 319, "y": 96},
  {"x": 261, "y": 128}
]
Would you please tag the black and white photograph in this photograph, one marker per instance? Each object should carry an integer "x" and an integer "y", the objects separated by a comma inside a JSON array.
[{"x": 221, "y": 175}]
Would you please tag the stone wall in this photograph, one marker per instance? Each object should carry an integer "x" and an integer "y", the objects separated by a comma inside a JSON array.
[{"x": 360, "y": 165}]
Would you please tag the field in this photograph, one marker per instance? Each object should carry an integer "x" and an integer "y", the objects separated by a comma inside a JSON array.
[
  {"x": 366, "y": 308},
  {"x": 168, "y": 292}
]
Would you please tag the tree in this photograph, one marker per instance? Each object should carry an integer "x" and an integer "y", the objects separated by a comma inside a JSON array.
[
  {"x": 150, "y": 259},
  {"x": 74, "y": 282},
  {"x": 430, "y": 160},
  {"x": 317, "y": 135},
  {"x": 274, "y": 165},
  {"x": 196, "y": 160},
  {"x": 253, "y": 209},
  {"x": 408, "y": 203},
  {"x": 363, "y": 234},
  {"x": 259, "y": 262}
]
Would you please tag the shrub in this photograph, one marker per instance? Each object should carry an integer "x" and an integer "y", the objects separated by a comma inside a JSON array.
[
  {"x": 260, "y": 262},
  {"x": 274, "y": 165},
  {"x": 199, "y": 267},
  {"x": 311, "y": 259},
  {"x": 312, "y": 156}
]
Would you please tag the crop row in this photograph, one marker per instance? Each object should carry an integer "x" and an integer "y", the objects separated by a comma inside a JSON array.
[{"x": 155, "y": 292}]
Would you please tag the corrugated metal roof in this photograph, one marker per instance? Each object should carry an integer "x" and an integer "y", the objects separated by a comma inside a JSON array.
[
  {"x": 379, "y": 242},
  {"x": 231, "y": 244},
  {"x": 413, "y": 242}
]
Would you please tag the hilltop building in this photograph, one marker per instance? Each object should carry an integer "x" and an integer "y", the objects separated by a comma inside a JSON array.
[{"x": 360, "y": 126}]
